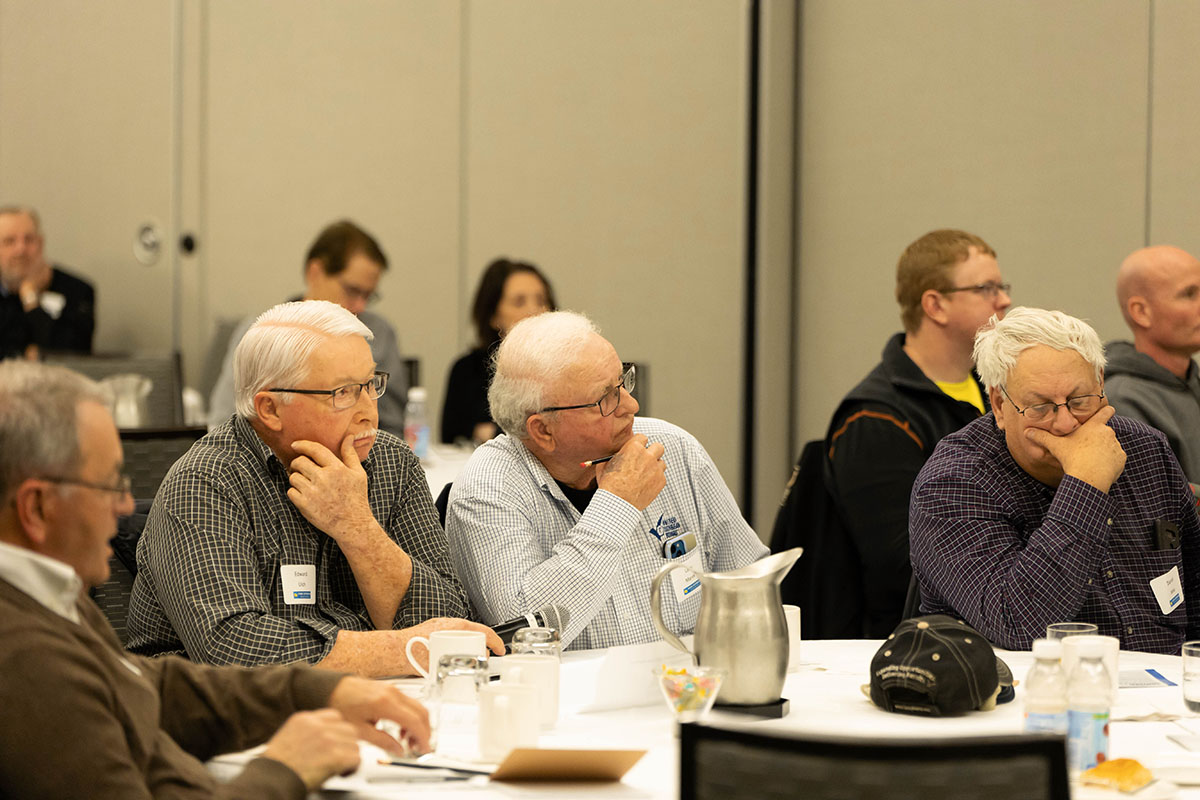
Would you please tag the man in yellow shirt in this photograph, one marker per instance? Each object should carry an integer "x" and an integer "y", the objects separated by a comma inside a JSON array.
[{"x": 948, "y": 284}]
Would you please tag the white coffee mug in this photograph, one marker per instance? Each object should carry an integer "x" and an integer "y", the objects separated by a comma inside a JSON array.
[
  {"x": 792, "y": 615},
  {"x": 508, "y": 718},
  {"x": 541, "y": 672},
  {"x": 1112, "y": 649},
  {"x": 447, "y": 643}
]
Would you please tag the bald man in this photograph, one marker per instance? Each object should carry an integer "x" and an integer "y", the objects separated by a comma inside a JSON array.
[{"x": 1154, "y": 378}]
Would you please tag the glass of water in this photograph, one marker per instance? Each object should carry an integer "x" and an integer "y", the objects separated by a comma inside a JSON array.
[
  {"x": 1061, "y": 630},
  {"x": 1191, "y": 675},
  {"x": 538, "y": 641}
]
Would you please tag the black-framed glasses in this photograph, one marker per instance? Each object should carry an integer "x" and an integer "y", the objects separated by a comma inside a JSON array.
[
  {"x": 989, "y": 289},
  {"x": 355, "y": 293},
  {"x": 1081, "y": 406},
  {"x": 346, "y": 396},
  {"x": 123, "y": 486},
  {"x": 611, "y": 399}
]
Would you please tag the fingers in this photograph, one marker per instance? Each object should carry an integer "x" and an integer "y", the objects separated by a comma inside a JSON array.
[
  {"x": 1102, "y": 416},
  {"x": 317, "y": 452},
  {"x": 493, "y": 641},
  {"x": 349, "y": 454}
]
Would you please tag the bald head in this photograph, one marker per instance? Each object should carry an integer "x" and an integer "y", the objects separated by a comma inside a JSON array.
[{"x": 1159, "y": 292}]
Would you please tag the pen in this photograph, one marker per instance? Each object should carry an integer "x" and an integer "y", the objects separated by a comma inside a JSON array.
[{"x": 596, "y": 461}]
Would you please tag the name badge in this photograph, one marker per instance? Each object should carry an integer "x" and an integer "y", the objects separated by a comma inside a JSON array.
[
  {"x": 299, "y": 584},
  {"x": 685, "y": 581},
  {"x": 1168, "y": 590}
]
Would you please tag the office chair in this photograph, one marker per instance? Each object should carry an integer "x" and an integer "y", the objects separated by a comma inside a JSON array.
[
  {"x": 727, "y": 764},
  {"x": 113, "y": 595}
]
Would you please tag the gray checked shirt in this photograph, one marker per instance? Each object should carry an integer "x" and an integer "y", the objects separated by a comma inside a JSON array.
[
  {"x": 221, "y": 528},
  {"x": 520, "y": 545},
  {"x": 1010, "y": 555}
]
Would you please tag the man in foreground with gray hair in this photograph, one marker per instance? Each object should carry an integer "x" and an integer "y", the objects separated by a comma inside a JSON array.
[
  {"x": 579, "y": 504},
  {"x": 81, "y": 716},
  {"x": 1052, "y": 509},
  {"x": 297, "y": 530}
]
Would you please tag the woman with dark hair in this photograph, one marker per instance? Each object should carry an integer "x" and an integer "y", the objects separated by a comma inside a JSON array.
[{"x": 508, "y": 292}]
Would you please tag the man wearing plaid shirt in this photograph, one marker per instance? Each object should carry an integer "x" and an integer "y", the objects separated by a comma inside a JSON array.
[
  {"x": 534, "y": 521},
  {"x": 1052, "y": 509},
  {"x": 297, "y": 531}
]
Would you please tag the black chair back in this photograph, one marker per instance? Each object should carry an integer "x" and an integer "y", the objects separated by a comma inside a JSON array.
[
  {"x": 149, "y": 453},
  {"x": 442, "y": 503},
  {"x": 112, "y": 596},
  {"x": 728, "y": 764}
]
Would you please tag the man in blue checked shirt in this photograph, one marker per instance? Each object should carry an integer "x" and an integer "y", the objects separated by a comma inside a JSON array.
[
  {"x": 1053, "y": 509},
  {"x": 542, "y": 515}
]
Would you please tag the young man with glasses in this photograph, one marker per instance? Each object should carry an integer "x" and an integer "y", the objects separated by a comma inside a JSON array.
[
  {"x": 297, "y": 530},
  {"x": 1053, "y": 509},
  {"x": 579, "y": 503},
  {"x": 344, "y": 265},
  {"x": 947, "y": 284}
]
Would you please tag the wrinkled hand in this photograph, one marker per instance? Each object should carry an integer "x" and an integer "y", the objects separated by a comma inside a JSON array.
[
  {"x": 445, "y": 624},
  {"x": 1090, "y": 453},
  {"x": 365, "y": 702},
  {"x": 636, "y": 473},
  {"x": 316, "y": 745},
  {"x": 330, "y": 492}
]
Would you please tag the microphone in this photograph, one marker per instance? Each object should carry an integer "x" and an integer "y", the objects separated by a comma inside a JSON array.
[{"x": 552, "y": 616}]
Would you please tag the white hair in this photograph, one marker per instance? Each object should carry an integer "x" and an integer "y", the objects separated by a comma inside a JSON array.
[
  {"x": 38, "y": 433},
  {"x": 530, "y": 358},
  {"x": 1000, "y": 342},
  {"x": 276, "y": 348}
]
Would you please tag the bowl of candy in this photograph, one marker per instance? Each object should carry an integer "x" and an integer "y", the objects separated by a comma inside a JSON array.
[{"x": 689, "y": 691}]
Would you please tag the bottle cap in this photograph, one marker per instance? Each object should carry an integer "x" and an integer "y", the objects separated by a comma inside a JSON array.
[
  {"x": 416, "y": 394},
  {"x": 1047, "y": 649}
]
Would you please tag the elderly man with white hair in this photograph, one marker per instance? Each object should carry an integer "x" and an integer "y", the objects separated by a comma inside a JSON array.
[
  {"x": 297, "y": 530},
  {"x": 541, "y": 516},
  {"x": 1052, "y": 509}
]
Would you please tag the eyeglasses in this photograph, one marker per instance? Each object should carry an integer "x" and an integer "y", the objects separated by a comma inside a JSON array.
[
  {"x": 989, "y": 289},
  {"x": 611, "y": 399},
  {"x": 123, "y": 486},
  {"x": 346, "y": 396},
  {"x": 1081, "y": 406},
  {"x": 355, "y": 293}
]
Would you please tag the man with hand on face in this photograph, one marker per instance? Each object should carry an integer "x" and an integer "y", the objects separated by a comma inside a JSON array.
[
  {"x": 1052, "y": 509},
  {"x": 534, "y": 520},
  {"x": 297, "y": 531},
  {"x": 82, "y": 717}
]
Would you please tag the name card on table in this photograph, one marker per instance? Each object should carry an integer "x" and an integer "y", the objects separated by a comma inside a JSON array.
[{"x": 619, "y": 677}]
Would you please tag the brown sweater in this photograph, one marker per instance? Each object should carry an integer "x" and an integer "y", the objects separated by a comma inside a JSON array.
[{"x": 77, "y": 720}]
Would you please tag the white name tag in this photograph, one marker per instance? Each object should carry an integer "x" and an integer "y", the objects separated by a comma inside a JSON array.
[
  {"x": 685, "y": 581},
  {"x": 1168, "y": 590},
  {"x": 299, "y": 584}
]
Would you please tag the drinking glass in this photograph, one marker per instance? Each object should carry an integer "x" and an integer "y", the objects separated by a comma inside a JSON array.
[
  {"x": 1191, "y": 675},
  {"x": 1061, "y": 630},
  {"x": 537, "y": 641}
]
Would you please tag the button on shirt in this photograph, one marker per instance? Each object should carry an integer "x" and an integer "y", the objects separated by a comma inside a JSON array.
[
  {"x": 519, "y": 545},
  {"x": 221, "y": 527},
  {"x": 1010, "y": 555}
]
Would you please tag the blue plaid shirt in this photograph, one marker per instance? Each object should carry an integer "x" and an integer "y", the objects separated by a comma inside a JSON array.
[
  {"x": 1010, "y": 555},
  {"x": 519, "y": 545}
]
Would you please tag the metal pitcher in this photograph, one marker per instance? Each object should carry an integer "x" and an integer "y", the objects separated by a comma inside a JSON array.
[{"x": 741, "y": 627}]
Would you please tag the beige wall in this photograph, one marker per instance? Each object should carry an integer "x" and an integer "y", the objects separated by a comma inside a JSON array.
[{"x": 1023, "y": 121}]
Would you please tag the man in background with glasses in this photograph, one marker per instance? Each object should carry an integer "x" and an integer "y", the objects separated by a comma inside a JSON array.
[
  {"x": 579, "y": 503},
  {"x": 947, "y": 284},
  {"x": 344, "y": 265},
  {"x": 297, "y": 530},
  {"x": 82, "y": 717},
  {"x": 1053, "y": 509}
]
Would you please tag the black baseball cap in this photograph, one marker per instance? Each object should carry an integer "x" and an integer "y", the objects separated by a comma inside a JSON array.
[{"x": 938, "y": 666}]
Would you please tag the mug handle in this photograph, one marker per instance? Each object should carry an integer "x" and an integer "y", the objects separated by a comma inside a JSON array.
[
  {"x": 409, "y": 655},
  {"x": 656, "y": 609}
]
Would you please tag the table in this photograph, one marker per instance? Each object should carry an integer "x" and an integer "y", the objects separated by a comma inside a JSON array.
[
  {"x": 443, "y": 464},
  {"x": 825, "y": 698}
]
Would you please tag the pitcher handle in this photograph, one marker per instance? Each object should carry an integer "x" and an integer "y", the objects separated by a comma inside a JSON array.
[{"x": 656, "y": 609}]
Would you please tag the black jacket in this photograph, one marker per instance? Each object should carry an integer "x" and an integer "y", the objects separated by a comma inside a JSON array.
[
  {"x": 880, "y": 437},
  {"x": 70, "y": 332}
]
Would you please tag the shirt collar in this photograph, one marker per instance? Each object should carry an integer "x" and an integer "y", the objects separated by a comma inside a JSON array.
[{"x": 50, "y": 582}]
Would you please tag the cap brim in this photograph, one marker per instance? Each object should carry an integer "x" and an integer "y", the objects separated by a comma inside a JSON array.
[{"x": 1007, "y": 692}]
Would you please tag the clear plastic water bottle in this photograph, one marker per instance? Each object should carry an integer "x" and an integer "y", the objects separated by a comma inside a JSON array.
[
  {"x": 416, "y": 423},
  {"x": 1046, "y": 690},
  {"x": 1089, "y": 701}
]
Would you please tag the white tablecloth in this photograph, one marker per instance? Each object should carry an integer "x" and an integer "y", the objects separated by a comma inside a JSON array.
[{"x": 825, "y": 697}]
